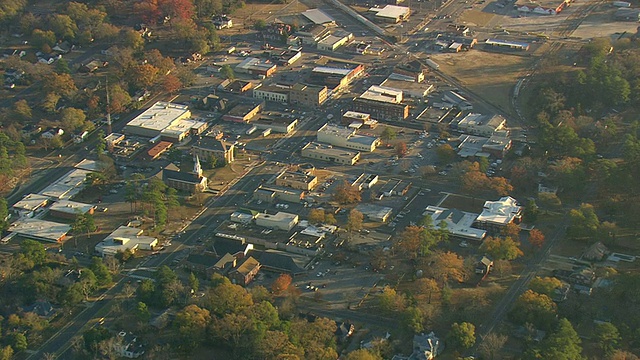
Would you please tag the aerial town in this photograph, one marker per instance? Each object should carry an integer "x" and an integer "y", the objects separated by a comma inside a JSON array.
[{"x": 323, "y": 180}]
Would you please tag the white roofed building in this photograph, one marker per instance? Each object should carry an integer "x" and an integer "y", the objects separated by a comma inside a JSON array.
[
  {"x": 458, "y": 223},
  {"x": 30, "y": 204},
  {"x": 66, "y": 186},
  {"x": 318, "y": 17},
  {"x": 346, "y": 138},
  {"x": 497, "y": 214},
  {"x": 391, "y": 13},
  {"x": 125, "y": 238},
  {"x": 168, "y": 120},
  {"x": 40, "y": 229},
  {"x": 281, "y": 220},
  {"x": 66, "y": 209}
]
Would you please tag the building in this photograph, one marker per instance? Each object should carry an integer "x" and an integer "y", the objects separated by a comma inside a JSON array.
[
  {"x": 158, "y": 149},
  {"x": 113, "y": 139},
  {"x": 336, "y": 77},
  {"x": 243, "y": 112},
  {"x": 337, "y": 39},
  {"x": 312, "y": 33},
  {"x": 204, "y": 263},
  {"x": 186, "y": 181},
  {"x": 66, "y": 186},
  {"x": 506, "y": 44},
  {"x": 30, "y": 205},
  {"x": 459, "y": 224},
  {"x": 280, "y": 221},
  {"x": 375, "y": 212},
  {"x": 411, "y": 89},
  {"x": 235, "y": 86},
  {"x": 243, "y": 216},
  {"x": 127, "y": 345},
  {"x": 40, "y": 229},
  {"x": 318, "y": 17},
  {"x": 297, "y": 180},
  {"x": 168, "y": 120},
  {"x": 391, "y": 13},
  {"x": 125, "y": 238},
  {"x": 346, "y": 138},
  {"x": 497, "y": 146},
  {"x": 245, "y": 273},
  {"x": 279, "y": 124},
  {"x": 626, "y": 14},
  {"x": 272, "y": 93},
  {"x": 498, "y": 214},
  {"x": 382, "y": 103},
  {"x": 308, "y": 95},
  {"x": 318, "y": 151},
  {"x": 481, "y": 125},
  {"x": 255, "y": 66},
  {"x": 456, "y": 100},
  {"x": 285, "y": 57},
  {"x": 208, "y": 146},
  {"x": 411, "y": 71},
  {"x": 222, "y": 22},
  {"x": 66, "y": 209},
  {"x": 272, "y": 194}
]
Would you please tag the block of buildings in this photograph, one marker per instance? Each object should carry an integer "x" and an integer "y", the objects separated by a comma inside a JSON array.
[
  {"x": 308, "y": 95},
  {"x": 297, "y": 180},
  {"x": 459, "y": 223},
  {"x": 191, "y": 182},
  {"x": 40, "y": 229},
  {"x": 208, "y": 146},
  {"x": 481, "y": 125},
  {"x": 255, "y": 66},
  {"x": 273, "y": 93},
  {"x": 272, "y": 194},
  {"x": 375, "y": 212},
  {"x": 280, "y": 221},
  {"x": 324, "y": 152},
  {"x": 364, "y": 119},
  {"x": 279, "y": 124},
  {"x": 391, "y": 13},
  {"x": 235, "y": 86},
  {"x": 125, "y": 238},
  {"x": 169, "y": 121},
  {"x": 312, "y": 33},
  {"x": 498, "y": 214},
  {"x": 382, "y": 103},
  {"x": 30, "y": 205},
  {"x": 244, "y": 112},
  {"x": 89, "y": 165},
  {"x": 66, "y": 209},
  {"x": 346, "y": 138},
  {"x": 66, "y": 186}
]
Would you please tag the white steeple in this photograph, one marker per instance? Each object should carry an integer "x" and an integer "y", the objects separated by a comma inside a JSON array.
[{"x": 197, "y": 169}]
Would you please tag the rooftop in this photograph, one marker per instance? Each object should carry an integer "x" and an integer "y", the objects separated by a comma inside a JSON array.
[
  {"x": 248, "y": 265},
  {"x": 279, "y": 216},
  {"x": 71, "y": 207},
  {"x": 31, "y": 202},
  {"x": 391, "y": 11},
  {"x": 506, "y": 43},
  {"x": 296, "y": 176},
  {"x": 331, "y": 70},
  {"x": 159, "y": 148},
  {"x": 255, "y": 63},
  {"x": 212, "y": 144},
  {"x": 356, "y": 115},
  {"x": 502, "y": 211},
  {"x": 282, "y": 190},
  {"x": 393, "y": 83},
  {"x": 123, "y": 238},
  {"x": 331, "y": 39},
  {"x": 383, "y": 94},
  {"x": 459, "y": 223},
  {"x": 40, "y": 229},
  {"x": 317, "y": 16},
  {"x": 89, "y": 165},
  {"x": 329, "y": 150},
  {"x": 66, "y": 186},
  {"x": 474, "y": 119},
  {"x": 160, "y": 116},
  {"x": 337, "y": 131}
]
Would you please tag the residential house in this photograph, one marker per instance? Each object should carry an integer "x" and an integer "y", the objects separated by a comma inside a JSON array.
[
  {"x": 42, "y": 308},
  {"x": 484, "y": 266},
  {"x": 222, "y": 22},
  {"x": 127, "y": 345},
  {"x": 344, "y": 330}
]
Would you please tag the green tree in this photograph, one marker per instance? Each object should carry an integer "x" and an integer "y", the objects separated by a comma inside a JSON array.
[
  {"x": 227, "y": 72},
  {"x": 4, "y": 214},
  {"x": 33, "y": 251},
  {"x": 260, "y": 25},
  {"x": 562, "y": 344},
  {"x": 142, "y": 312},
  {"x": 22, "y": 110},
  {"x": 463, "y": 335},
  {"x": 501, "y": 249},
  {"x": 608, "y": 337},
  {"x": 72, "y": 119},
  {"x": 40, "y": 38},
  {"x": 534, "y": 308},
  {"x": 191, "y": 325},
  {"x": 445, "y": 154},
  {"x": 388, "y": 134},
  {"x": 6, "y": 353},
  {"x": 102, "y": 272},
  {"x": 194, "y": 283},
  {"x": 413, "y": 319},
  {"x": 62, "y": 66},
  {"x": 63, "y": 26},
  {"x": 546, "y": 285},
  {"x": 19, "y": 341},
  {"x": 390, "y": 301},
  {"x": 584, "y": 222},
  {"x": 362, "y": 354},
  {"x": 88, "y": 282}
]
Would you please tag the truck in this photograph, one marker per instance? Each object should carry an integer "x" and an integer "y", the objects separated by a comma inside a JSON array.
[
  {"x": 621, "y": 4},
  {"x": 251, "y": 130},
  {"x": 432, "y": 64}
]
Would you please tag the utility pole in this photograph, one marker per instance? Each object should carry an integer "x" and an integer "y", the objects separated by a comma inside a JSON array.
[{"x": 108, "y": 108}]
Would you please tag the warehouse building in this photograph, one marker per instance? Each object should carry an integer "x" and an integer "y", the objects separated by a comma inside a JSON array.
[
  {"x": 66, "y": 186},
  {"x": 255, "y": 66},
  {"x": 391, "y": 13},
  {"x": 166, "y": 120},
  {"x": 272, "y": 194},
  {"x": 30, "y": 205},
  {"x": 337, "y": 76}
]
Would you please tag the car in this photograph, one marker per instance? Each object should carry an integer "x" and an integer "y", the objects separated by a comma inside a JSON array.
[
  {"x": 464, "y": 244},
  {"x": 113, "y": 191}
]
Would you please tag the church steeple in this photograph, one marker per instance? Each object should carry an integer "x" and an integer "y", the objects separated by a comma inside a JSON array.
[{"x": 197, "y": 169}]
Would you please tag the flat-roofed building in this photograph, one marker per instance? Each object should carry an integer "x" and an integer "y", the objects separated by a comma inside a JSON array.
[
  {"x": 312, "y": 33},
  {"x": 89, "y": 165},
  {"x": 498, "y": 214},
  {"x": 272, "y": 93},
  {"x": 255, "y": 66},
  {"x": 411, "y": 71},
  {"x": 482, "y": 125},
  {"x": 271, "y": 194},
  {"x": 66, "y": 209},
  {"x": 324, "y": 152},
  {"x": 334, "y": 41},
  {"x": 278, "y": 124},
  {"x": 40, "y": 229},
  {"x": 158, "y": 149},
  {"x": 459, "y": 223},
  {"x": 382, "y": 103},
  {"x": 308, "y": 95},
  {"x": 280, "y": 221},
  {"x": 346, "y": 138},
  {"x": 125, "y": 238},
  {"x": 243, "y": 112},
  {"x": 391, "y": 13},
  {"x": 30, "y": 205},
  {"x": 416, "y": 90},
  {"x": 375, "y": 213},
  {"x": 113, "y": 139},
  {"x": 296, "y": 180},
  {"x": 66, "y": 186},
  {"x": 334, "y": 77},
  {"x": 208, "y": 146},
  {"x": 170, "y": 121},
  {"x": 318, "y": 17}
]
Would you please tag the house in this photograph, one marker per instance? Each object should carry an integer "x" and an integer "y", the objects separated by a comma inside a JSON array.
[
  {"x": 426, "y": 347},
  {"x": 212, "y": 102},
  {"x": 187, "y": 181},
  {"x": 127, "y": 345},
  {"x": 245, "y": 273},
  {"x": 222, "y": 22},
  {"x": 80, "y": 137},
  {"x": 484, "y": 266},
  {"x": 344, "y": 330},
  {"x": 52, "y": 132},
  {"x": 42, "y": 308},
  {"x": 596, "y": 252},
  {"x": 90, "y": 67}
]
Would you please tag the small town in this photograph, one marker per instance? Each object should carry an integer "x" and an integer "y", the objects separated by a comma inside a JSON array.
[{"x": 319, "y": 179}]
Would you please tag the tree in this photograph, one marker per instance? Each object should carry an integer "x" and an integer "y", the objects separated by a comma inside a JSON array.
[
  {"x": 6, "y": 353},
  {"x": 227, "y": 72},
  {"x": 390, "y": 301},
  {"x": 316, "y": 216},
  {"x": 88, "y": 282},
  {"x": 62, "y": 66},
  {"x": 623, "y": 355},
  {"x": 119, "y": 99},
  {"x": 142, "y": 312},
  {"x": 534, "y": 308},
  {"x": 281, "y": 284},
  {"x": 413, "y": 319},
  {"x": 22, "y": 110},
  {"x": 388, "y": 134},
  {"x": 536, "y": 238},
  {"x": 401, "y": 149},
  {"x": 72, "y": 119},
  {"x": 501, "y": 249},
  {"x": 445, "y": 266},
  {"x": 354, "y": 221},
  {"x": 260, "y": 25},
  {"x": 362, "y": 354},
  {"x": 191, "y": 325},
  {"x": 463, "y": 335},
  {"x": 584, "y": 222},
  {"x": 19, "y": 341},
  {"x": 445, "y": 154},
  {"x": 33, "y": 251},
  {"x": 512, "y": 230},
  {"x": 50, "y": 102},
  {"x": 171, "y": 83},
  {"x": 59, "y": 84},
  {"x": 131, "y": 39},
  {"x": 40, "y": 38},
  {"x": 63, "y": 26},
  {"x": 84, "y": 223},
  {"x": 607, "y": 337},
  {"x": 426, "y": 286},
  {"x": 491, "y": 346},
  {"x": 562, "y": 344},
  {"x": 102, "y": 272},
  {"x": 4, "y": 214},
  {"x": 347, "y": 194},
  {"x": 101, "y": 143},
  {"x": 546, "y": 285},
  {"x": 142, "y": 76},
  {"x": 226, "y": 298}
]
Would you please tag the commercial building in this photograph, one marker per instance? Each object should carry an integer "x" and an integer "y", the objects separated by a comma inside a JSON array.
[
  {"x": 186, "y": 181},
  {"x": 280, "y": 221},
  {"x": 255, "y": 66},
  {"x": 308, "y": 95},
  {"x": 66, "y": 209},
  {"x": 337, "y": 76},
  {"x": 278, "y": 124},
  {"x": 271, "y": 194},
  {"x": 498, "y": 214},
  {"x": 30, "y": 205},
  {"x": 113, "y": 139},
  {"x": 416, "y": 90},
  {"x": 158, "y": 149},
  {"x": 375, "y": 212},
  {"x": 482, "y": 125},
  {"x": 382, "y": 103},
  {"x": 125, "y": 238},
  {"x": 89, "y": 165},
  {"x": 456, "y": 100},
  {"x": 497, "y": 146},
  {"x": 243, "y": 112},
  {"x": 459, "y": 223},
  {"x": 314, "y": 150},
  {"x": 335, "y": 40},
  {"x": 208, "y": 146},
  {"x": 346, "y": 138},
  {"x": 165, "y": 120},
  {"x": 312, "y": 33},
  {"x": 318, "y": 17},
  {"x": 40, "y": 229},
  {"x": 391, "y": 13},
  {"x": 272, "y": 93},
  {"x": 352, "y": 118},
  {"x": 297, "y": 180},
  {"x": 411, "y": 71},
  {"x": 66, "y": 186},
  {"x": 507, "y": 44}
]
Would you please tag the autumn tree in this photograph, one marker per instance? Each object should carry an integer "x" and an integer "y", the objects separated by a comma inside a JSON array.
[
  {"x": 390, "y": 301},
  {"x": 347, "y": 194},
  {"x": 445, "y": 154},
  {"x": 546, "y": 285},
  {"x": 584, "y": 222},
  {"x": 316, "y": 216},
  {"x": 142, "y": 76},
  {"x": 362, "y": 354},
  {"x": 536, "y": 238},
  {"x": 59, "y": 84},
  {"x": 401, "y": 149},
  {"x": 171, "y": 83},
  {"x": 511, "y": 230},
  {"x": 462, "y": 335},
  {"x": 281, "y": 284},
  {"x": 191, "y": 325},
  {"x": 501, "y": 249},
  {"x": 534, "y": 308},
  {"x": 445, "y": 266},
  {"x": 491, "y": 345},
  {"x": 354, "y": 221},
  {"x": 72, "y": 119}
]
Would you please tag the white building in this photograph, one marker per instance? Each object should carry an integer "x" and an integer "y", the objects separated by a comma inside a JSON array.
[
  {"x": 324, "y": 152},
  {"x": 459, "y": 223},
  {"x": 346, "y": 138},
  {"x": 497, "y": 214},
  {"x": 481, "y": 125},
  {"x": 335, "y": 40},
  {"x": 125, "y": 238},
  {"x": 391, "y": 13},
  {"x": 168, "y": 120},
  {"x": 318, "y": 17},
  {"x": 67, "y": 186},
  {"x": 416, "y": 90},
  {"x": 281, "y": 221},
  {"x": 383, "y": 94},
  {"x": 40, "y": 229},
  {"x": 30, "y": 205}
]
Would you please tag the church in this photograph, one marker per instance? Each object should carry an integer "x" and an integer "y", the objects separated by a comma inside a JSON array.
[{"x": 192, "y": 181}]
